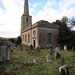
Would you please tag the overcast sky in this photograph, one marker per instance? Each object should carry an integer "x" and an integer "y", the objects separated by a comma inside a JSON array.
[{"x": 50, "y": 10}]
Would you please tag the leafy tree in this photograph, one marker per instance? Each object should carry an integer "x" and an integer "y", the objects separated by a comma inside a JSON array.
[
  {"x": 18, "y": 41},
  {"x": 64, "y": 31}
]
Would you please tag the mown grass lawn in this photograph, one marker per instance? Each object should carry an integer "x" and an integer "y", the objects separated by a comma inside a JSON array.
[{"x": 18, "y": 63}]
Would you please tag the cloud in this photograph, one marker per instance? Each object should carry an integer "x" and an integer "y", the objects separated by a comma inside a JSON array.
[
  {"x": 8, "y": 34},
  {"x": 10, "y": 18},
  {"x": 54, "y": 10},
  {"x": 51, "y": 10}
]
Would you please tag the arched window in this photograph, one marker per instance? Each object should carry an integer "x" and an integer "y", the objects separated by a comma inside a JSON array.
[
  {"x": 26, "y": 19},
  {"x": 25, "y": 38},
  {"x": 28, "y": 38},
  {"x": 49, "y": 38}
]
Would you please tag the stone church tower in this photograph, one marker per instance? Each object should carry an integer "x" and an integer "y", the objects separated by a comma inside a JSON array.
[
  {"x": 41, "y": 34},
  {"x": 26, "y": 19}
]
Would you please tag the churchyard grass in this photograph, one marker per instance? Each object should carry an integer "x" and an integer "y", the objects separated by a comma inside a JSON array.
[{"x": 17, "y": 65}]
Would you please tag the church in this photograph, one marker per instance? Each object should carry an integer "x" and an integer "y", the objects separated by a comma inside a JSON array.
[{"x": 41, "y": 34}]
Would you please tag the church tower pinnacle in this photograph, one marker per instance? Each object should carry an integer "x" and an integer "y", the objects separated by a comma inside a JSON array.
[{"x": 26, "y": 7}]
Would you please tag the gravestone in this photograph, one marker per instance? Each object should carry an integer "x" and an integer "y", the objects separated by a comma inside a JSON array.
[
  {"x": 50, "y": 55},
  {"x": 51, "y": 52},
  {"x": 12, "y": 45},
  {"x": 57, "y": 52},
  {"x": 49, "y": 58},
  {"x": 32, "y": 61},
  {"x": 4, "y": 52},
  {"x": 65, "y": 47},
  {"x": 63, "y": 70}
]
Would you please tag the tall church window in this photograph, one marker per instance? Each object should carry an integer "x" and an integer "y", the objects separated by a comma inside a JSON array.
[
  {"x": 28, "y": 38},
  {"x": 25, "y": 38},
  {"x": 49, "y": 38},
  {"x": 26, "y": 19}
]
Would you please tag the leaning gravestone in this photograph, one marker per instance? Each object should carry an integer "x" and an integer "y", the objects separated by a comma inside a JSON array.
[
  {"x": 13, "y": 45},
  {"x": 57, "y": 52},
  {"x": 4, "y": 52},
  {"x": 63, "y": 70},
  {"x": 49, "y": 58}
]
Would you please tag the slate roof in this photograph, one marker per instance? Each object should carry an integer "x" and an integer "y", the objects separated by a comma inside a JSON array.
[{"x": 45, "y": 24}]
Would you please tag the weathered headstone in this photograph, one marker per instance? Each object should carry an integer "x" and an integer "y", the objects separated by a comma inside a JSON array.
[
  {"x": 65, "y": 47},
  {"x": 50, "y": 55},
  {"x": 49, "y": 58},
  {"x": 12, "y": 45},
  {"x": 4, "y": 53},
  {"x": 57, "y": 52},
  {"x": 63, "y": 70},
  {"x": 51, "y": 51}
]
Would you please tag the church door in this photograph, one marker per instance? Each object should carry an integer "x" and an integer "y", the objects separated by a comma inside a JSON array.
[{"x": 34, "y": 43}]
